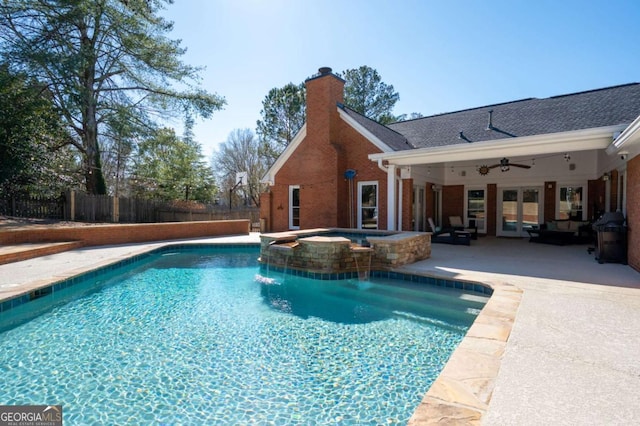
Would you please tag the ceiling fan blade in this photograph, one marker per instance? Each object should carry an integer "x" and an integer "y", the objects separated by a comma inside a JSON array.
[
  {"x": 494, "y": 166},
  {"x": 523, "y": 166}
]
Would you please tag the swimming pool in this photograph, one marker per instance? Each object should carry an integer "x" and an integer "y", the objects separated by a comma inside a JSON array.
[{"x": 203, "y": 335}]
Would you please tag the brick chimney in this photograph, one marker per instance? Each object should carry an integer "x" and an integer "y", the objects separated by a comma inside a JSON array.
[
  {"x": 324, "y": 92},
  {"x": 318, "y": 161}
]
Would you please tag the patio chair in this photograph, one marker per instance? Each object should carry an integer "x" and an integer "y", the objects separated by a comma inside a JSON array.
[
  {"x": 457, "y": 224},
  {"x": 449, "y": 235}
]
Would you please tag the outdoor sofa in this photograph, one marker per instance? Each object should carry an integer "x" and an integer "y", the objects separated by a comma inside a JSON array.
[{"x": 562, "y": 232}]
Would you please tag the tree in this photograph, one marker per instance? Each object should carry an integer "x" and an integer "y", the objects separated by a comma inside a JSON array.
[
  {"x": 99, "y": 58},
  {"x": 412, "y": 116},
  {"x": 241, "y": 153},
  {"x": 169, "y": 168},
  {"x": 283, "y": 114},
  {"x": 119, "y": 138},
  {"x": 283, "y": 109},
  {"x": 29, "y": 130},
  {"x": 366, "y": 93}
]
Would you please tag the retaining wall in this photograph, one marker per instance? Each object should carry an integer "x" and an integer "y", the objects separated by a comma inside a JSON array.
[{"x": 97, "y": 235}]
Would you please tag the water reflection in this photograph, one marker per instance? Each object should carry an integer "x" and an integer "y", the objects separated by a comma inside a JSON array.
[
  {"x": 334, "y": 301},
  {"x": 359, "y": 302}
]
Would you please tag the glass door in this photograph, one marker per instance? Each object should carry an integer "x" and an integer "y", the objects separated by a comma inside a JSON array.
[
  {"x": 531, "y": 209},
  {"x": 476, "y": 210},
  {"x": 519, "y": 209},
  {"x": 508, "y": 225},
  {"x": 367, "y": 205}
]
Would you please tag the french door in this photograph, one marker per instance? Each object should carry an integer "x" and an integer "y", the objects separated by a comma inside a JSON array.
[{"x": 518, "y": 210}]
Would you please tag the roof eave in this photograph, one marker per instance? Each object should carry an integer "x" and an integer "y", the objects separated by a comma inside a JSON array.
[
  {"x": 629, "y": 136},
  {"x": 270, "y": 177},
  {"x": 572, "y": 141},
  {"x": 364, "y": 132}
]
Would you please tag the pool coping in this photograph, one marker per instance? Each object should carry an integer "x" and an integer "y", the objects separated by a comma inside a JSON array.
[{"x": 462, "y": 391}]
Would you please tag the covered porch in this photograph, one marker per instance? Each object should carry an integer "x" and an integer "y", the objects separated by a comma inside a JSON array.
[{"x": 505, "y": 187}]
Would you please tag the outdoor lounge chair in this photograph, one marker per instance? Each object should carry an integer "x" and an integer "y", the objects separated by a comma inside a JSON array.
[
  {"x": 456, "y": 223},
  {"x": 449, "y": 235}
]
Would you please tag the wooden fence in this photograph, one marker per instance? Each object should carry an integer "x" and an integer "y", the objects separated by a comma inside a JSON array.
[
  {"x": 33, "y": 207},
  {"x": 77, "y": 206}
]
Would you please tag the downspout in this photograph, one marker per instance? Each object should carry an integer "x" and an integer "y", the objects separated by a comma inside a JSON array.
[{"x": 350, "y": 174}]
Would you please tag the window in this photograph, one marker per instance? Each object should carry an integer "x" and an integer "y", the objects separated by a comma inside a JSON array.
[
  {"x": 294, "y": 207},
  {"x": 476, "y": 209},
  {"x": 571, "y": 202},
  {"x": 368, "y": 205}
]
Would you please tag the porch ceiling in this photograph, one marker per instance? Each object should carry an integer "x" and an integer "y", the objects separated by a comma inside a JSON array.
[{"x": 581, "y": 140}]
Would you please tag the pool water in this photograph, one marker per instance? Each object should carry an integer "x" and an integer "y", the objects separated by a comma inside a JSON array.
[{"x": 207, "y": 337}]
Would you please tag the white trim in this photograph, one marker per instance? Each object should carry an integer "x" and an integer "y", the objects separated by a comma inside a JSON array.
[
  {"x": 364, "y": 132},
  {"x": 585, "y": 193},
  {"x": 359, "y": 204},
  {"x": 465, "y": 218},
  {"x": 630, "y": 135},
  {"x": 520, "y": 231},
  {"x": 400, "y": 191},
  {"x": 391, "y": 197},
  {"x": 270, "y": 176},
  {"x": 550, "y": 143}
]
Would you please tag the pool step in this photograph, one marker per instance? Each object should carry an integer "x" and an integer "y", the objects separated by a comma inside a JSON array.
[
  {"x": 419, "y": 302},
  {"x": 18, "y": 252},
  {"x": 426, "y": 293}
]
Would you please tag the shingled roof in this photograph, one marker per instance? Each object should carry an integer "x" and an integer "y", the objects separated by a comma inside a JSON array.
[
  {"x": 591, "y": 109},
  {"x": 390, "y": 137}
]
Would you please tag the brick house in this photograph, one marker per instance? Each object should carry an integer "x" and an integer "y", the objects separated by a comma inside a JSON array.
[{"x": 500, "y": 167}]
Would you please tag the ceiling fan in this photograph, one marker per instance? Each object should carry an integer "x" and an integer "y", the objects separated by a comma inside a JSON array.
[{"x": 504, "y": 166}]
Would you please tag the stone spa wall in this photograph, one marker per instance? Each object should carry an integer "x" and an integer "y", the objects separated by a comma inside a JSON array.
[{"x": 331, "y": 255}]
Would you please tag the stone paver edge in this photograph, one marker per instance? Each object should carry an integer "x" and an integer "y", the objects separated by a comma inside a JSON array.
[
  {"x": 461, "y": 393},
  {"x": 23, "y": 289}
]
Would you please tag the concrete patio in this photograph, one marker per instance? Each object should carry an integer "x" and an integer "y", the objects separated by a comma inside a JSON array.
[{"x": 572, "y": 355}]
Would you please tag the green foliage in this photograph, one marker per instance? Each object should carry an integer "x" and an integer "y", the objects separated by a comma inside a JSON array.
[
  {"x": 241, "y": 153},
  {"x": 365, "y": 92},
  {"x": 30, "y": 129},
  {"x": 104, "y": 62},
  {"x": 283, "y": 114},
  {"x": 168, "y": 168},
  {"x": 118, "y": 140},
  {"x": 412, "y": 116},
  {"x": 283, "y": 109}
]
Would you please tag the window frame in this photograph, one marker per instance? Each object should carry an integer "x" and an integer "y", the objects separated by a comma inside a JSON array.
[
  {"x": 376, "y": 208},
  {"x": 483, "y": 229},
  {"x": 583, "y": 201},
  {"x": 292, "y": 207}
]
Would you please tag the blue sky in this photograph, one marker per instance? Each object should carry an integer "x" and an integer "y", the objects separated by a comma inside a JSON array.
[{"x": 440, "y": 56}]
